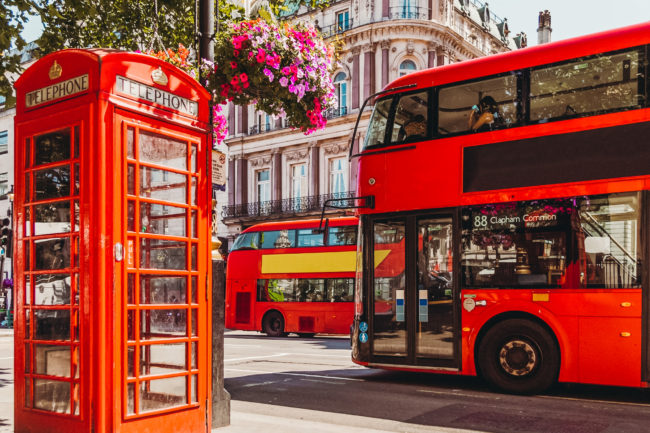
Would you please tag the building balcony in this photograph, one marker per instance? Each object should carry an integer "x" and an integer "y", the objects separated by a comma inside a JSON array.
[
  {"x": 336, "y": 29},
  {"x": 409, "y": 13},
  {"x": 283, "y": 208}
]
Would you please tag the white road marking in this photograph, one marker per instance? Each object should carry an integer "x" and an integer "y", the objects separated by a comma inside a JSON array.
[{"x": 296, "y": 374}]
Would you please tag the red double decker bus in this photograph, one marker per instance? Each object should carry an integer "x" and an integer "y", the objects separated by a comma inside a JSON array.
[
  {"x": 291, "y": 276},
  {"x": 514, "y": 190}
]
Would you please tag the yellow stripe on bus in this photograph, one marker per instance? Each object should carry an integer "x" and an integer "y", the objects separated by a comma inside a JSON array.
[{"x": 340, "y": 261}]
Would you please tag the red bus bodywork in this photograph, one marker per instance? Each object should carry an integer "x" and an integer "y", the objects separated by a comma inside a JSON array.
[
  {"x": 245, "y": 267},
  {"x": 601, "y": 334}
]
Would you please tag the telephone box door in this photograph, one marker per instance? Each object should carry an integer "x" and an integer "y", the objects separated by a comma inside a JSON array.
[{"x": 163, "y": 269}]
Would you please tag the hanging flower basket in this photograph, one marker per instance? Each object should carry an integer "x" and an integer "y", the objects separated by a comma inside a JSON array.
[{"x": 284, "y": 70}]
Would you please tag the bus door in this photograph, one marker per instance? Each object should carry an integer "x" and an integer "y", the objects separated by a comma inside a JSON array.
[{"x": 414, "y": 317}]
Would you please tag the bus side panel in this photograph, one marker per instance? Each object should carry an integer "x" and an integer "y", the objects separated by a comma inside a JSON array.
[
  {"x": 558, "y": 313},
  {"x": 240, "y": 301},
  {"x": 610, "y": 337}
]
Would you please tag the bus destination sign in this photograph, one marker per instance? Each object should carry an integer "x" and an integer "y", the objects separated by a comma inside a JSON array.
[
  {"x": 57, "y": 91},
  {"x": 156, "y": 96}
]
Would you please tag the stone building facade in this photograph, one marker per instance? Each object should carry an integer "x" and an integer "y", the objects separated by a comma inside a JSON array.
[{"x": 275, "y": 173}]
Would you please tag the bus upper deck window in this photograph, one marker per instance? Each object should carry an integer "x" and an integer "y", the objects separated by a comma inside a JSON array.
[{"x": 376, "y": 135}]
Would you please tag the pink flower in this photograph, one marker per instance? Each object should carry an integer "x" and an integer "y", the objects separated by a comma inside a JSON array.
[
  {"x": 235, "y": 53},
  {"x": 234, "y": 80},
  {"x": 233, "y": 65},
  {"x": 243, "y": 77},
  {"x": 261, "y": 56}
]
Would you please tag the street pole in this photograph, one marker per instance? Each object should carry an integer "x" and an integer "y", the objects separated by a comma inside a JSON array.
[{"x": 220, "y": 397}]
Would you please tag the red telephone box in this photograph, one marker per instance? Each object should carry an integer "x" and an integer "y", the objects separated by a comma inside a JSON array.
[{"x": 112, "y": 226}]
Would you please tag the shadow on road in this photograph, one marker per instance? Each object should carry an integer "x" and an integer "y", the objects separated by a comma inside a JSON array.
[
  {"x": 449, "y": 401},
  {"x": 323, "y": 341},
  {"x": 6, "y": 377}
]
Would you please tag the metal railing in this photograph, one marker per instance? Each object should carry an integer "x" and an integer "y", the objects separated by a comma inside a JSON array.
[
  {"x": 338, "y": 28},
  {"x": 336, "y": 112},
  {"x": 409, "y": 13},
  {"x": 285, "y": 206}
]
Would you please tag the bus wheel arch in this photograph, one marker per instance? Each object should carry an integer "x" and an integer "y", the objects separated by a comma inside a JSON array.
[
  {"x": 517, "y": 353},
  {"x": 273, "y": 324}
]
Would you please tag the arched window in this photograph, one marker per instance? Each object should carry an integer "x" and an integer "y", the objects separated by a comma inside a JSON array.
[
  {"x": 406, "y": 67},
  {"x": 341, "y": 86}
]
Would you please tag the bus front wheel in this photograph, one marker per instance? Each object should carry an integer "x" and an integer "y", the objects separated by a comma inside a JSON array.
[
  {"x": 519, "y": 356},
  {"x": 273, "y": 324}
]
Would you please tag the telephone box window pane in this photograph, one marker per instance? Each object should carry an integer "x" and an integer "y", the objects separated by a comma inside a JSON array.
[
  {"x": 130, "y": 289},
  {"x": 52, "y": 325},
  {"x": 28, "y": 358},
  {"x": 130, "y": 361},
  {"x": 130, "y": 399},
  {"x": 52, "y": 218},
  {"x": 162, "y": 150},
  {"x": 130, "y": 143},
  {"x": 163, "y": 220},
  {"x": 52, "y": 254},
  {"x": 194, "y": 225},
  {"x": 130, "y": 325},
  {"x": 163, "y": 185},
  {"x": 52, "y": 147},
  {"x": 75, "y": 297},
  {"x": 130, "y": 216},
  {"x": 163, "y": 254},
  {"x": 130, "y": 179},
  {"x": 195, "y": 285},
  {"x": 193, "y": 157},
  {"x": 194, "y": 391},
  {"x": 28, "y": 195},
  {"x": 163, "y": 393},
  {"x": 28, "y": 393},
  {"x": 75, "y": 362},
  {"x": 167, "y": 323},
  {"x": 194, "y": 191},
  {"x": 28, "y": 257},
  {"x": 163, "y": 290},
  {"x": 194, "y": 253},
  {"x": 28, "y": 334},
  {"x": 52, "y": 360},
  {"x": 195, "y": 320},
  {"x": 52, "y": 289},
  {"x": 75, "y": 325},
  {"x": 75, "y": 398},
  {"x": 194, "y": 355},
  {"x": 76, "y": 142},
  {"x": 28, "y": 291},
  {"x": 76, "y": 179},
  {"x": 28, "y": 153},
  {"x": 156, "y": 359},
  {"x": 76, "y": 216},
  {"x": 52, "y": 183},
  {"x": 52, "y": 395}
]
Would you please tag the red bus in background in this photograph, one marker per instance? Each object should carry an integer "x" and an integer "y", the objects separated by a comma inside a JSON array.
[
  {"x": 288, "y": 276},
  {"x": 514, "y": 189}
]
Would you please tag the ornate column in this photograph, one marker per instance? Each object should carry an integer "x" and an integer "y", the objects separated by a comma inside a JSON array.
[
  {"x": 314, "y": 169},
  {"x": 385, "y": 73},
  {"x": 276, "y": 173},
  {"x": 368, "y": 70},
  {"x": 432, "y": 54},
  {"x": 355, "y": 77}
]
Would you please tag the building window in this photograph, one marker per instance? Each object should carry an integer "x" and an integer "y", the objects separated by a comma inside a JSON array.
[
  {"x": 263, "y": 179},
  {"x": 406, "y": 67},
  {"x": 4, "y": 183},
  {"x": 298, "y": 185},
  {"x": 4, "y": 141},
  {"x": 338, "y": 184},
  {"x": 341, "y": 86},
  {"x": 342, "y": 21},
  {"x": 408, "y": 9}
]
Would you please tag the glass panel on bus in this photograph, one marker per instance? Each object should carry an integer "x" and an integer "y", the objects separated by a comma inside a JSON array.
[
  {"x": 278, "y": 239},
  {"x": 377, "y": 128},
  {"x": 310, "y": 238},
  {"x": 610, "y": 225},
  {"x": 607, "y": 82},
  {"x": 344, "y": 235},
  {"x": 435, "y": 324},
  {"x": 246, "y": 241},
  {"x": 516, "y": 245},
  {"x": 411, "y": 118},
  {"x": 479, "y": 106},
  {"x": 389, "y": 289}
]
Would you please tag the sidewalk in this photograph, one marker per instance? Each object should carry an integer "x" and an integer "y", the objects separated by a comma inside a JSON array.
[
  {"x": 6, "y": 332},
  {"x": 246, "y": 417}
]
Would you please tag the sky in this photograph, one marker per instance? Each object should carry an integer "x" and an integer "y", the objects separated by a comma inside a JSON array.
[{"x": 570, "y": 18}]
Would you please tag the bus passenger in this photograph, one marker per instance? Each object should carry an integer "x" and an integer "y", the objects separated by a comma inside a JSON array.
[
  {"x": 415, "y": 128},
  {"x": 485, "y": 116}
]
